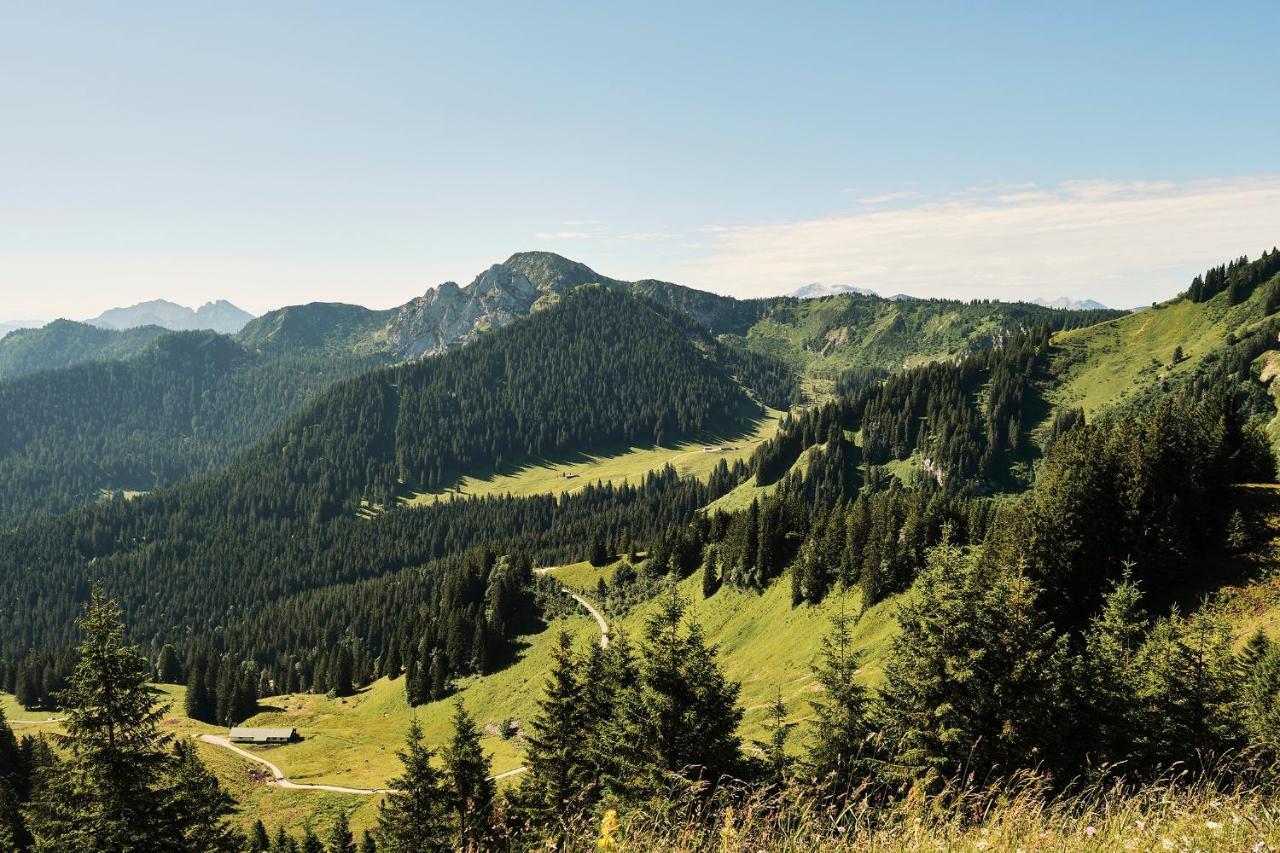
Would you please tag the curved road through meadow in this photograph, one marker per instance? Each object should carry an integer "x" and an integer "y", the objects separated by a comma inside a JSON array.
[{"x": 279, "y": 778}]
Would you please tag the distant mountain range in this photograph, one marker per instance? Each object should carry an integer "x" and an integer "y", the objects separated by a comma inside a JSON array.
[
  {"x": 850, "y": 327},
  {"x": 220, "y": 316},
  {"x": 1068, "y": 304},
  {"x": 817, "y": 290},
  {"x": 450, "y": 315},
  {"x": 7, "y": 326}
]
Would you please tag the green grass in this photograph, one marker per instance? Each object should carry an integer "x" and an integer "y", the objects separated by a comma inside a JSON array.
[
  {"x": 583, "y": 576},
  {"x": 1106, "y": 364},
  {"x": 769, "y": 646},
  {"x": 631, "y": 464}
]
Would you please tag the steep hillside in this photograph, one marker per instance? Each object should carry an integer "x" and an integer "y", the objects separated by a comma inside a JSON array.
[
  {"x": 325, "y": 328},
  {"x": 280, "y": 527},
  {"x": 64, "y": 343},
  {"x": 825, "y": 336},
  {"x": 1176, "y": 346},
  {"x": 188, "y": 404}
]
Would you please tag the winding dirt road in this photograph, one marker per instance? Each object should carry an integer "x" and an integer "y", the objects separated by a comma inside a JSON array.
[
  {"x": 278, "y": 775},
  {"x": 279, "y": 778}
]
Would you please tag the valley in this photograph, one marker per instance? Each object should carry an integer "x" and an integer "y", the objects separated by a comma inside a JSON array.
[{"x": 802, "y": 471}]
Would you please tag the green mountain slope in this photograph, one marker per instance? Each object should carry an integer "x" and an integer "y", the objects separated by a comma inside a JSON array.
[
  {"x": 823, "y": 337},
  {"x": 597, "y": 369},
  {"x": 1174, "y": 347},
  {"x": 64, "y": 343},
  {"x": 817, "y": 337},
  {"x": 328, "y": 328},
  {"x": 188, "y": 404}
]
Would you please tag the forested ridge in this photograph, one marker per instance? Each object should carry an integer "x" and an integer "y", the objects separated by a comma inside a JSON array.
[
  {"x": 597, "y": 369},
  {"x": 188, "y": 404},
  {"x": 64, "y": 343}
]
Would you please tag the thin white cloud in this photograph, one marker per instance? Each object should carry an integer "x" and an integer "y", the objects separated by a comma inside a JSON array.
[
  {"x": 1121, "y": 242},
  {"x": 886, "y": 198},
  {"x": 564, "y": 235}
]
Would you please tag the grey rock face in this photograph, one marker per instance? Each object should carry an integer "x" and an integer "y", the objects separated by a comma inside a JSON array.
[{"x": 448, "y": 316}]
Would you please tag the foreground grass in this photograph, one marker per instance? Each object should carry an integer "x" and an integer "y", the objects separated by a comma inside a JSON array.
[{"x": 1175, "y": 814}]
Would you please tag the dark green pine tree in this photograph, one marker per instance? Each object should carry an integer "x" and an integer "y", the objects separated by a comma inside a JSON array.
[
  {"x": 973, "y": 681},
  {"x": 1188, "y": 690},
  {"x": 598, "y": 552},
  {"x": 558, "y": 780},
  {"x": 168, "y": 667},
  {"x": 259, "y": 841},
  {"x": 199, "y": 705},
  {"x": 838, "y": 752},
  {"x": 106, "y": 792},
  {"x": 392, "y": 664},
  {"x": 200, "y": 806},
  {"x": 438, "y": 676},
  {"x": 1107, "y": 678},
  {"x": 13, "y": 787},
  {"x": 1260, "y": 695},
  {"x": 466, "y": 772},
  {"x": 340, "y": 838},
  {"x": 773, "y": 749},
  {"x": 683, "y": 715},
  {"x": 116, "y": 786},
  {"x": 343, "y": 674},
  {"x": 710, "y": 575},
  {"x": 414, "y": 817},
  {"x": 368, "y": 844},
  {"x": 311, "y": 843}
]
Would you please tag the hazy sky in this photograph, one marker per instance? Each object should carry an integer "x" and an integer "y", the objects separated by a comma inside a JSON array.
[{"x": 274, "y": 153}]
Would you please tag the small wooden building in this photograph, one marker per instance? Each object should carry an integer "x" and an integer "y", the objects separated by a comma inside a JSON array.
[{"x": 244, "y": 734}]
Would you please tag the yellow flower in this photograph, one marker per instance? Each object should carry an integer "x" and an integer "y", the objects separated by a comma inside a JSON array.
[
  {"x": 608, "y": 827},
  {"x": 728, "y": 835}
]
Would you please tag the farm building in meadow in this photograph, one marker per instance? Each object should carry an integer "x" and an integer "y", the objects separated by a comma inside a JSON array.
[{"x": 242, "y": 734}]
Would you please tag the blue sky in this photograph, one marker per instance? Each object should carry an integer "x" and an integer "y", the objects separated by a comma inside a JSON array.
[{"x": 288, "y": 152}]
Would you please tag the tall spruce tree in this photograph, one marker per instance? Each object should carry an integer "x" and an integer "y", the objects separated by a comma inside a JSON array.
[
  {"x": 682, "y": 718},
  {"x": 558, "y": 780},
  {"x": 466, "y": 772},
  {"x": 840, "y": 746},
  {"x": 108, "y": 792},
  {"x": 773, "y": 749},
  {"x": 168, "y": 667},
  {"x": 973, "y": 680},
  {"x": 340, "y": 838},
  {"x": 14, "y": 786},
  {"x": 1107, "y": 676},
  {"x": 199, "y": 805},
  {"x": 414, "y": 817},
  {"x": 118, "y": 787}
]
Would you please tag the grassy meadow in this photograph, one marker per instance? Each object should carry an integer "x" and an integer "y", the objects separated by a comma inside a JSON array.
[{"x": 574, "y": 472}]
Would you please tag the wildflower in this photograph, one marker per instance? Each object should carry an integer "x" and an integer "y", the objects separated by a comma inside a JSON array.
[
  {"x": 727, "y": 833},
  {"x": 1166, "y": 843},
  {"x": 608, "y": 827},
  {"x": 1091, "y": 830},
  {"x": 1212, "y": 824}
]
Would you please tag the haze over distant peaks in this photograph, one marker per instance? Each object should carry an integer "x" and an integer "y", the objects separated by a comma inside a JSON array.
[
  {"x": 1069, "y": 304},
  {"x": 818, "y": 289},
  {"x": 219, "y": 316},
  {"x": 7, "y": 326}
]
